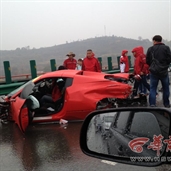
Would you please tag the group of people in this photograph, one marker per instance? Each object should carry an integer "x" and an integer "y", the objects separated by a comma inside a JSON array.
[
  {"x": 90, "y": 62},
  {"x": 154, "y": 66}
]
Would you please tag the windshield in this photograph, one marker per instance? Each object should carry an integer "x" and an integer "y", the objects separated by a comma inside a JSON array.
[
  {"x": 19, "y": 88},
  {"x": 27, "y": 90}
]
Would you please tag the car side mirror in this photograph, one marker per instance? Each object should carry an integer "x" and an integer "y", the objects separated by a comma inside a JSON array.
[{"x": 138, "y": 136}]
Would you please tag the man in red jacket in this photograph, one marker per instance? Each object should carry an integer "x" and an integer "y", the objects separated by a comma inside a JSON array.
[
  {"x": 70, "y": 63},
  {"x": 91, "y": 63},
  {"x": 139, "y": 70},
  {"x": 145, "y": 71}
]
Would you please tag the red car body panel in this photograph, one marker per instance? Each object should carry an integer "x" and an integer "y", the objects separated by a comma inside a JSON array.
[
  {"x": 81, "y": 97},
  {"x": 20, "y": 113}
]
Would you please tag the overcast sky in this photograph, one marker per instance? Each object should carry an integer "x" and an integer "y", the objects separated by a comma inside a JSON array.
[{"x": 47, "y": 23}]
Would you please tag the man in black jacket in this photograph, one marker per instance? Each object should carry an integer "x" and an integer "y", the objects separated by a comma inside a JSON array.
[{"x": 158, "y": 57}]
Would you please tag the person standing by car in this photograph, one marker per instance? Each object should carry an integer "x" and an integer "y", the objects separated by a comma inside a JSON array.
[
  {"x": 158, "y": 57},
  {"x": 70, "y": 63},
  {"x": 138, "y": 71},
  {"x": 91, "y": 63},
  {"x": 124, "y": 62},
  {"x": 145, "y": 71},
  {"x": 79, "y": 64}
]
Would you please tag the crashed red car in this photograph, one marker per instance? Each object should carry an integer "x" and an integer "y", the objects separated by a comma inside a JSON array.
[{"x": 83, "y": 92}]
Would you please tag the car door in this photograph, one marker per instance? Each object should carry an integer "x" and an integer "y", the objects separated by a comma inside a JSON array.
[{"x": 21, "y": 113}]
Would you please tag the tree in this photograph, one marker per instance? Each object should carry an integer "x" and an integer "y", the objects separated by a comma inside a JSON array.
[{"x": 17, "y": 49}]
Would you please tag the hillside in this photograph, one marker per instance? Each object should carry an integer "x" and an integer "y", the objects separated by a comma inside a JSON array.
[{"x": 102, "y": 47}]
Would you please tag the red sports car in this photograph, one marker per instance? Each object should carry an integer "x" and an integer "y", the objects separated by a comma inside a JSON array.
[{"x": 82, "y": 92}]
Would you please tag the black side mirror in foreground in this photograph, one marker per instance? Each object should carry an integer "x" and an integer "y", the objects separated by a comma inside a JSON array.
[{"x": 138, "y": 136}]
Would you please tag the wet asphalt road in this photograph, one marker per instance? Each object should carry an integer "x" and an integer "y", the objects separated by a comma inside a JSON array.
[{"x": 52, "y": 147}]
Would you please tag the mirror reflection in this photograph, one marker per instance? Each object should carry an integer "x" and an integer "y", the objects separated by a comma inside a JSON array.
[{"x": 129, "y": 133}]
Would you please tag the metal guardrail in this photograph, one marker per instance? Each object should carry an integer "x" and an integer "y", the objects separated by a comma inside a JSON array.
[
  {"x": 9, "y": 82},
  {"x": 7, "y": 88},
  {"x": 17, "y": 81}
]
